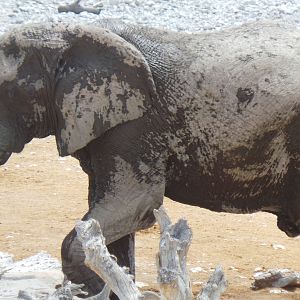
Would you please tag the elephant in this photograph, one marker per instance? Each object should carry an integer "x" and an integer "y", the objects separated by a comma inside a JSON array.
[{"x": 206, "y": 119}]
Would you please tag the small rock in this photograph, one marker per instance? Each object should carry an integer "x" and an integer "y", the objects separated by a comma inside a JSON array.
[
  {"x": 278, "y": 247},
  {"x": 258, "y": 269},
  {"x": 278, "y": 291},
  {"x": 198, "y": 283},
  {"x": 196, "y": 270},
  {"x": 140, "y": 284}
]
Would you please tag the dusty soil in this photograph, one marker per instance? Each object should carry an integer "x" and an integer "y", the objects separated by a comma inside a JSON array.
[{"x": 42, "y": 195}]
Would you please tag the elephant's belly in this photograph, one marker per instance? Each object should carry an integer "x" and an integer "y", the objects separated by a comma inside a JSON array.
[
  {"x": 232, "y": 186},
  {"x": 227, "y": 195}
]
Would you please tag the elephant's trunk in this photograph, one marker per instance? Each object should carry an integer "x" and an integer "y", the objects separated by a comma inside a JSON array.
[{"x": 4, "y": 156}]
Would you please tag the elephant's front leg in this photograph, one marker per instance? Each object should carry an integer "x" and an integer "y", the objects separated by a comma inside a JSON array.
[{"x": 124, "y": 190}]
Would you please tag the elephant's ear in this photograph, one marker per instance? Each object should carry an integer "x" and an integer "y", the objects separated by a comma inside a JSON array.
[{"x": 103, "y": 81}]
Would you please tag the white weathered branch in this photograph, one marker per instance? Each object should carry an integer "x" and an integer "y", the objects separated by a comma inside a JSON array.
[
  {"x": 76, "y": 8},
  {"x": 101, "y": 262},
  {"x": 175, "y": 240},
  {"x": 162, "y": 219},
  {"x": 215, "y": 286},
  {"x": 104, "y": 295},
  {"x": 278, "y": 278}
]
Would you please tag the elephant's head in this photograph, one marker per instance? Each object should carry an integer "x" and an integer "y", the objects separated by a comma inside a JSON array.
[
  {"x": 18, "y": 94},
  {"x": 75, "y": 82}
]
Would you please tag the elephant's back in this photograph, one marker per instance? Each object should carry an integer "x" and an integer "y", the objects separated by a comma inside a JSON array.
[
  {"x": 245, "y": 79},
  {"x": 273, "y": 37}
]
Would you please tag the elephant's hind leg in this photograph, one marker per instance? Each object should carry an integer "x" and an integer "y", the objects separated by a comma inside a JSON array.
[{"x": 289, "y": 217}]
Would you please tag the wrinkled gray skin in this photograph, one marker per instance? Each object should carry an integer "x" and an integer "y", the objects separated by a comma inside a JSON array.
[{"x": 210, "y": 120}]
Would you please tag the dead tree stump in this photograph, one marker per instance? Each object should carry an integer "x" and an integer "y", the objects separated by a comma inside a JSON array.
[
  {"x": 175, "y": 240},
  {"x": 215, "y": 286}
]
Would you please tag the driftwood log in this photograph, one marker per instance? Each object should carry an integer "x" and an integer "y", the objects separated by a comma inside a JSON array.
[
  {"x": 76, "y": 8},
  {"x": 173, "y": 277},
  {"x": 277, "y": 278}
]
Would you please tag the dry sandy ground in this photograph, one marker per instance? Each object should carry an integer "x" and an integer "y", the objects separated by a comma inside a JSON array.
[{"x": 42, "y": 195}]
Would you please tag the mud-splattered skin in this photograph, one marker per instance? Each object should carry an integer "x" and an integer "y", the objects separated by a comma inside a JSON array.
[
  {"x": 233, "y": 108},
  {"x": 210, "y": 120}
]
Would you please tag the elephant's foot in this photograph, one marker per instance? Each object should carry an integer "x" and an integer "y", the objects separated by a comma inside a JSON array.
[
  {"x": 74, "y": 268},
  {"x": 76, "y": 271}
]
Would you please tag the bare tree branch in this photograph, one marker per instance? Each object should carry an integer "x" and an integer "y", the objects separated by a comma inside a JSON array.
[{"x": 101, "y": 262}]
